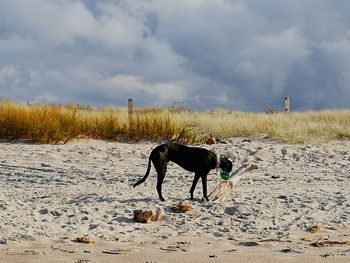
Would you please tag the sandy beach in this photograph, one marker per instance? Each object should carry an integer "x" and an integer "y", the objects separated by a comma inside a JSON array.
[{"x": 52, "y": 194}]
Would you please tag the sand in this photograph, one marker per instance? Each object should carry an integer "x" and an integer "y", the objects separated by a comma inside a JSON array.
[{"x": 52, "y": 194}]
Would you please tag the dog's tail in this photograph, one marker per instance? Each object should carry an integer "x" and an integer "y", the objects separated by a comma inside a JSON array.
[{"x": 146, "y": 175}]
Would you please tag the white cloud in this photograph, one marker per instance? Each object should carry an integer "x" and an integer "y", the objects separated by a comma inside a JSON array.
[
  {"x": 129, "y": 86},
  {"x": 339, "y": 52},
  {"x": 205, "y": 52},
  {"x": 274, "y": 56}
]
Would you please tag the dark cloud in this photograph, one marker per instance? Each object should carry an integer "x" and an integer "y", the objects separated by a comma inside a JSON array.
[{"x": 239, "y": 55}]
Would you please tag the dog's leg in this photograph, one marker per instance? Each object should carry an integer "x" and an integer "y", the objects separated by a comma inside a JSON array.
[
  {"x": 204, "y": 184},
  {"x": 160, "y": 180},
  {"x": 160, "y": 166},
  {"x": 195, "y": 181}
]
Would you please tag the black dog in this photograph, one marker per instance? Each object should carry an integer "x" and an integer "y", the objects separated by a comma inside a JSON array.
[{"x": 197, "y": 160}]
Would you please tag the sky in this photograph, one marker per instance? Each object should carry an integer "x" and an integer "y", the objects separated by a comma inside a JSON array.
[{"x": 243, "y": 55}]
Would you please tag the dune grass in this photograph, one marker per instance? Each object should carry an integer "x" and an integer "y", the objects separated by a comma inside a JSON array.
[
  {"x": 61, "y": 123},
  {"x": 297, "y": 127}
]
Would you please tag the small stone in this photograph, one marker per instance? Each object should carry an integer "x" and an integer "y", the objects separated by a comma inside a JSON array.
[
  {"x": 93, "y": 226},
  {"x": 55, "y": 213},
  {"x": 43, "y": 211},
  {"x": 283, "y": 197},
  {"x": 291, "y": 250},
  {"x": 249, "y": 244}
]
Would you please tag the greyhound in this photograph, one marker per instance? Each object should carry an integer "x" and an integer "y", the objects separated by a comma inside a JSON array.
[{"x": 193, "y": 159}]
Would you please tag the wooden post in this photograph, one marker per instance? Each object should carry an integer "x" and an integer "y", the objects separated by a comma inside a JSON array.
[
  {"x": 131, "y": 111},
  {"x": 287, "y": 104}
]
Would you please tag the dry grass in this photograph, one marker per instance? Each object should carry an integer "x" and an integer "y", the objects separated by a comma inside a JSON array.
[
  {"x": 297, "y": 127},
  {"x": 59, "y": 124}
]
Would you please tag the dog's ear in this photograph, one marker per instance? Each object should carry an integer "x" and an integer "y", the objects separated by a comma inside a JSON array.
[
  {"x": 230, "y": 157},
  {"x": 226, "y": 164},
  {"x": 230, "y": 165}
]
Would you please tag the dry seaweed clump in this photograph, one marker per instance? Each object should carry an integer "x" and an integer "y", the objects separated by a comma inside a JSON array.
[
  {"x": 315, "y": 229},
  {"x": 327, "y": 243},
  {"x": 84, "y": 239},
  {"x": 147, "y": 216},
  {"x": 182, "y": 208}
]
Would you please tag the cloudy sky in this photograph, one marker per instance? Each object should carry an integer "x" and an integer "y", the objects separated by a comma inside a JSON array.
[{"x": 202, "y": 54}]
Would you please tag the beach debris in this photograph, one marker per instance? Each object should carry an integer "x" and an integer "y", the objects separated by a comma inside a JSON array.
[
  {"x": 340, "y": 252},
  {"x": 25, "y": 253},
  {"x": 283, "y": 198},
  {"x": 182, "y": 207},
  {"x": 328, "y": 243},
  {"x": 247, "y": 140},
  {"x": 284, "y": 152},
  {"x": 276, "y": 239},
  {"x": 223, "y": 189},
  {"x": 147, "y": 216},
  {"x": 93, "y": 226},
  {"x": 116, "y": 251},
  {"x": 249, "y": 244},
  {"x": 231, "y": 250},
  {"x": 43, "y": 211},
  {"x": 84, "y": 239},
  {"x": 315, "y": 229},
  {"x": 55, "y": 213},
  {"x": 210, "y": 141},
  {"x": 112, "y": 252},
  {"x": 291, "y": 250},
  {"x": 170, "y": 249},
  {"x": 180, "y": 246},
  {"x": 306, "y": 239}
]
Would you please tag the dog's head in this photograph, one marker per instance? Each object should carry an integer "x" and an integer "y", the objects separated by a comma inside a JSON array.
[{"x": 225, "y": 164}]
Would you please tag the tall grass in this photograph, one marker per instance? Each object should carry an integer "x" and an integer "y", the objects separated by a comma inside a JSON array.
[
  {"x": 297, "y": 127},
  {"x": 59, "y": 124}
]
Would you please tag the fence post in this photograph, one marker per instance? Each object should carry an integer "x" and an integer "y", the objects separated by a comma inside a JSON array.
[
  {"x": 287, "y": 104},
  {"x": 130, "y": 115},
  {"x": 130, "y": 106}
]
